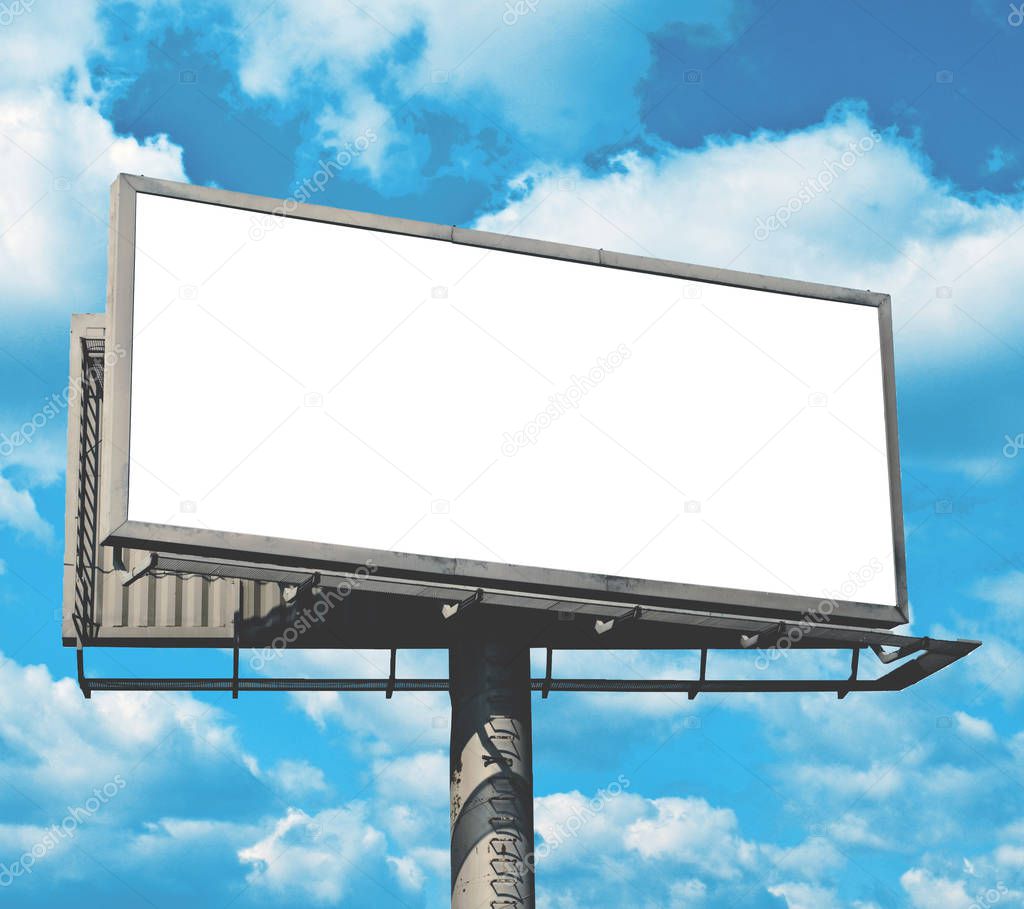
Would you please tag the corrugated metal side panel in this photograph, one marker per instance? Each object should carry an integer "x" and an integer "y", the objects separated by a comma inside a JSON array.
[
  {"x": 110, "y": 608},
  {"x": 223, "y": 602},
  {"x": 151, "y": 602},
  {"x": 138, "y": 605},
  {"x": 171, "y": 601},
  {"x": 193, "y": 594},
  {"x": 167, "y": 601},
  {"x": 253, "y": 597}
]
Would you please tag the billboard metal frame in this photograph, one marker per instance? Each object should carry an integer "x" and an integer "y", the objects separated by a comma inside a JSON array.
[
  {"x": 116, "y": 530},
  {"x": 449, "y": 615},
  {"x": 932, "y": 656}
]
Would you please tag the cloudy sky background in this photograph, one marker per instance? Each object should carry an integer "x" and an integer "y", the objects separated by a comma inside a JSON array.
[{"x": 633, "y": 126}]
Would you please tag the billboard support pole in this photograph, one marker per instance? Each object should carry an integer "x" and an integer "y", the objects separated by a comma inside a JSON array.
[{"x": 491, "y": 782}]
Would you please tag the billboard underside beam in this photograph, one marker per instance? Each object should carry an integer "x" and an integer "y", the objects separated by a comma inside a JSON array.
[
  {"x": 385, "y": 612},
  {"x": 720, "y": 686},
  {"x": 903, "y": 676}
]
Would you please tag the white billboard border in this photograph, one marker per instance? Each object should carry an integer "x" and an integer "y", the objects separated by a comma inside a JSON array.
[{"x": 116, "y": 530}]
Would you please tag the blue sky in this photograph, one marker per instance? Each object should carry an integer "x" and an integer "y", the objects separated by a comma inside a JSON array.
[{"x": 638, "y": 126}]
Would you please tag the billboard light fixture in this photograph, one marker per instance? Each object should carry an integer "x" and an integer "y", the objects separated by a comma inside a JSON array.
[{"x": 450, "y": 610}]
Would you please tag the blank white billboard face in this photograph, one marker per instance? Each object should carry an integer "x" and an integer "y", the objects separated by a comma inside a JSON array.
[{"x": 311, "y": 381}]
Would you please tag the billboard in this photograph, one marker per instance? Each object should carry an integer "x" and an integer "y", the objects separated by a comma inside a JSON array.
[{"x": 302, "y": 385}]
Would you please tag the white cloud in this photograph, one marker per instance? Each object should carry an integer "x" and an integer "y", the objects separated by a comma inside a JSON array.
[
  {"x": 359, "y": 133},
  {"x": 316, "y": 855},
  {"x": 875, "y": 782},
  {"x": 288, "y": 42},
  {"x": 403, "y": 822},
  {"x": 928, "y": 891},
  {"x": 437, "y": 861},
  {"x": 18, "y": 510},
  {"x": 572, "y": 828},
  {"x": 1010, "y": 856},
  {"x": 885, "y": 224},
  {"x": 298, "y": 777},
  {"x": 47, "y": 41},
  {"x": 687, "y": 894},
  {"x": 59, "y": 156},
  {"x": 1005, "y": 591},
  {"x": 997, "y": 667},
  {"x": 814, "y": 858},
  {"x": 56, "y": 748},
  {"x": 140, "y": 752},
  {"x": 419, "y": 778},
  {"x": 832, "y": 766},
  {"x": 477, "y": 52},
  {"x": 855, "y": 830},
  {"x": 689, "y": 830},
  {"x": 805, "y": 896},
  {"x": 43, "y": 721},
  {"x": 980, "y": 882},
  {"x": 18, "y": 838},
  {"x": 408, "y": 872},
  {"x": 410, "y": 717},
  {"x": 43, "y": 458},
  {"x": 182, "y": 835},
  {"x": 980, "y": 469},
  {"x": 1015, "y": 830},
  {"x": 974, "y": 727},
  {"x": 484, "y": 57}
]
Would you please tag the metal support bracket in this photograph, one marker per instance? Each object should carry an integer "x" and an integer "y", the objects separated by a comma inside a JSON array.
[
  {"x": 83, "y": 682},
  {"x": 693, "y": 692},
  {"x": 752, "y": 640},
  {"x": 143, "y": 571},
  {"x": 854, "y": 666},
  {"x": 546, "y": 687},
  {"x": 390, "y": 690},
  {"x": 893, "y": 655},
  {"x": 234, "y": 648},
  {"x": 234, "y": 671},
  {"x": 304, "y": 590}
]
